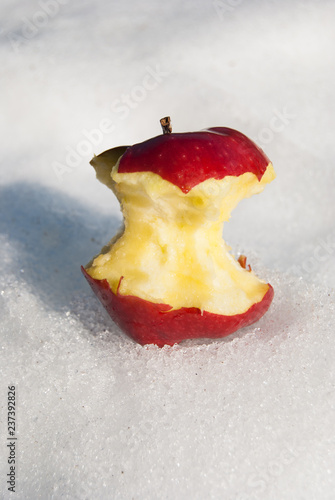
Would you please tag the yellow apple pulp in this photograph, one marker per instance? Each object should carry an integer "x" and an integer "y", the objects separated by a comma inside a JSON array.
[{"x": 171, "y": 249}]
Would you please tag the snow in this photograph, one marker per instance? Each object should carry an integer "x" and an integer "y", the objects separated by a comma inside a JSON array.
[{"x": 98, "y": 416}]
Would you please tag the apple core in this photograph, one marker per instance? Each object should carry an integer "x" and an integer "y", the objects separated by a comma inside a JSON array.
[{"x": 170, "y": 259}]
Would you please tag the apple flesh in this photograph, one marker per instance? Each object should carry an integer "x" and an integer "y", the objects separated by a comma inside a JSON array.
[{"x": 169, "y": 276}]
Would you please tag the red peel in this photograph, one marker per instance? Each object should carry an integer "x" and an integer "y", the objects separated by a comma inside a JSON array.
[
  {"x": 187, "y": 159},
  {"x": 150, "y": 323}
]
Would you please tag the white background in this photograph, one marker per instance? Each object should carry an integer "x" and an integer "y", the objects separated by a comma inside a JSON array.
[{"x": 248, "y": 417}]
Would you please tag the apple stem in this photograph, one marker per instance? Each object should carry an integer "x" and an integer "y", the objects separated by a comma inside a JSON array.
[{"x": 166, "y": 125}]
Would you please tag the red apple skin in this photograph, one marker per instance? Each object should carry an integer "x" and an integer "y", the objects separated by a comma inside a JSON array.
[
  {"x": 188, "y": 159},
  {"x": 150, "y": 323}
]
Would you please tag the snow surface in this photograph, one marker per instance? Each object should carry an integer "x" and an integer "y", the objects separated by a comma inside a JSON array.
[{"x": 247, "y": 417}]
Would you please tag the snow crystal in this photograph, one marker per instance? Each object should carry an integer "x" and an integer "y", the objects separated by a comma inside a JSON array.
[{"x": 250, "y": 416}]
